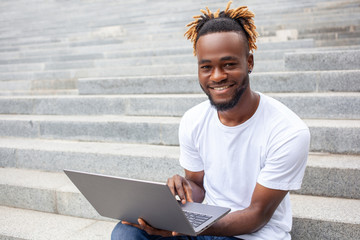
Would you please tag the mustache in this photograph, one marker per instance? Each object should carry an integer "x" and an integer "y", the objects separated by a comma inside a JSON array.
[{"x": 224, "y": 82}]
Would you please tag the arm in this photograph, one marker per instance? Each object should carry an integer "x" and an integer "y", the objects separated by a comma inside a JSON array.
[{"x": 263, "y": 204}]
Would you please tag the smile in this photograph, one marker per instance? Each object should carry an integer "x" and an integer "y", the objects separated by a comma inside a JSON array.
[{"x": 221, "y": 88}]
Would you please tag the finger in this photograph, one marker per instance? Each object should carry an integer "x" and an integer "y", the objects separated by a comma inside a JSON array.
[
  {"x": 153, "y": 231},
  {"x": 175, "y": 186},
  {"x": 188, "y": 192},
  {"x": 143, "y": 224},
  {"x": 131, "y": 224},
  {"x": 179, "y": 185},
  {"x": 170, "y": 183},
  {"x": 175, "y": 234}
]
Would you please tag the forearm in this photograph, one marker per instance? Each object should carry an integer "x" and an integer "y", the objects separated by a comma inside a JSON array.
[
  {"x": 263, "y": 204},
  {"x": 198, "y": 193},
  {"x": 236, "y": 223}
]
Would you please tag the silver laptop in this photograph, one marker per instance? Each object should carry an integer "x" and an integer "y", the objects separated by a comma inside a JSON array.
[{"x": 130, "y": 199}]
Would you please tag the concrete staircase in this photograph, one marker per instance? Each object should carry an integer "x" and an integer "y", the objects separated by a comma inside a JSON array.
[{"x": 100, "y": 86}]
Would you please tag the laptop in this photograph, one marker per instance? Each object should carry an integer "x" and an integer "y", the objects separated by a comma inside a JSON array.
[{"x": 129, "y": 199}]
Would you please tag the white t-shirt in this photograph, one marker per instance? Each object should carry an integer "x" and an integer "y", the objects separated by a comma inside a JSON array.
[{"x": 270, "y": 148}]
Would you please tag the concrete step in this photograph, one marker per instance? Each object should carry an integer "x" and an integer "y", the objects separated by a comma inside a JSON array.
[
  {"x": 277, "y": 18},
  {"x": 275, "y": 64},
  {"x": 117, "y": 71},
  {"x": 338, "y": 42},
  {"x": 322, "y": 105},
  {"x": 326, "y": 175},
  {"x": 78, "y": 67},
  {"x": 271, "y": 58},
  {"x": 327, "y": 105},
  {"x": 124, "y": 58},
  {"x": 325, "y": 218},
  {"x": 22, "y": 67},
  {"x": 139, "y": 49},
  {"x": 304, "y": 20},
  {"x": 308, "y": 81},
  {"x": 62, "y": 51},
  {"x": 335, "y": 136},
  {"x": 332, "y": 175},
  {"x": 270, "y": 54},
  {"x": 53, "y": 92},
  {"x": 320, "y": 61},
  {"x": 43, "y": 191},
  {"x": 73, "y": 74},
  {"x": 36, "y": 85},
  {"x": 42, "y": 226},
  {"x": 84, "y": 16},
  {"x": 56, "y": 192},
  {"x": 141, "y": 161},
  {"x": 346, "y": 34},
  {"x": 150, "y": 130},
  {"x": 309, "y": 22},
  {"x": 40, "y": 59}
]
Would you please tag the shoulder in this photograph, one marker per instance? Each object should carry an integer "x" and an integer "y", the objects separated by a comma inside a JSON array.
[
  {"x": 193, "y": 121},
  {"x": 197, "y": 113},
  {"x": 276, "y": 113},
  {"x": 281, "y": 122}
]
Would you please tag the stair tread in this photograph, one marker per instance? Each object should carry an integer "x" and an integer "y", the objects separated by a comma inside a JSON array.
[
  {"x": 91, "y": 147},
  {"x": 179, "y": 95},
  {"x": 40, "y": 225},
  {"x": 326, "y": 208},
  {"x": 339, "y": 123}
]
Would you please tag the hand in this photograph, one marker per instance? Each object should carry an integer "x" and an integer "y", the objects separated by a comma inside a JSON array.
[
  {"x": 150, "y": 230},
  {"x": 180, "y": 186}
]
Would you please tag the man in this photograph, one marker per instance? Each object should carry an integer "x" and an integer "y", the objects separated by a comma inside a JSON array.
[{"x": 241, "y": 149}]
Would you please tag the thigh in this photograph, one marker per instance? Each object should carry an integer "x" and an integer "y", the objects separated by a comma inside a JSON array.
[
  {"x": 127, "y": 232},
  {"x": 215, "y": 238},
  {"x": 199, "y": 238}
]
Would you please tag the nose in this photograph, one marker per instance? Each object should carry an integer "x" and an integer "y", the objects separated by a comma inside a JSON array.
[{"x": 217, "y": 75}]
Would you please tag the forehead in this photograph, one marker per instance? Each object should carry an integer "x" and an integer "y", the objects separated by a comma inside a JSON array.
[{"x": 221, "y": 43}]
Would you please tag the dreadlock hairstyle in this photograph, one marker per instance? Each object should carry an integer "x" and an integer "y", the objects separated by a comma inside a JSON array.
[{"x": 239, "y": 19}]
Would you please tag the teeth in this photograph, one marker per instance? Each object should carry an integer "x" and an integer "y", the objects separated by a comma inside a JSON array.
[{"x": 221, "y": 88}]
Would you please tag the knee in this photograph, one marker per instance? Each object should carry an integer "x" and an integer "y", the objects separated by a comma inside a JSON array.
[{"x": 126, "y": 232}]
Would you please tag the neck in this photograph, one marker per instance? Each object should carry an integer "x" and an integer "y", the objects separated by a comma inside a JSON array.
[{"x": 242, "y": 111}]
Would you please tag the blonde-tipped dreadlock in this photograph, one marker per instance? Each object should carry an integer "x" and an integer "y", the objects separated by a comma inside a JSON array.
[{"x": 241, "y": 15}]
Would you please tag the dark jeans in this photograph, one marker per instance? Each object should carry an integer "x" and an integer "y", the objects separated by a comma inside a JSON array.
[{"x": 126, "y": 232}]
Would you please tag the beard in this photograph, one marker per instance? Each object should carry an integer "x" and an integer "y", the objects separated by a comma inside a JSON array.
[{"x": 232, "y": 102}]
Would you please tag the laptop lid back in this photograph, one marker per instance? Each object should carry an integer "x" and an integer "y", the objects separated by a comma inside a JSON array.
[{"x": 129, "y": 199}]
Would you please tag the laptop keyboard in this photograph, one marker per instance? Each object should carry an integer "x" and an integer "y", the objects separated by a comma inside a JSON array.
[{"x": 196, "y": 219}]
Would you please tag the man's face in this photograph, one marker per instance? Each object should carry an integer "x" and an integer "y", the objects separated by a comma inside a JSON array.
[{"x": 223, "y": 65}]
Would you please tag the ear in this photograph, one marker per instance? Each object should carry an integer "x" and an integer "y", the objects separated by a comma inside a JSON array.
[{"x": 250, "y": 62}]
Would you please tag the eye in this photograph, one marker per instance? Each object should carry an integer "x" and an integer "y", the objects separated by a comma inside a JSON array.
[
  {"x": 205, "y": 67},
  {"x": 229, "y": 64}
]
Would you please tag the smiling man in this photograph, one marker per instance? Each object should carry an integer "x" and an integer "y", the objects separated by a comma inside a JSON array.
[{"x": 240, "y": 149}]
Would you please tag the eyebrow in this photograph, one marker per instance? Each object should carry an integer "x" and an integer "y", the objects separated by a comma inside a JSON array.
[
  {"x": 226, "y": 58},
  {"x": 202, "y": 61}
]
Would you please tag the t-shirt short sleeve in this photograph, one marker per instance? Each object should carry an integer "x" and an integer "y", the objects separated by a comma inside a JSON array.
[
  {"x": 285, "y": 162},
  {"x": 189, "y": 155}
]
